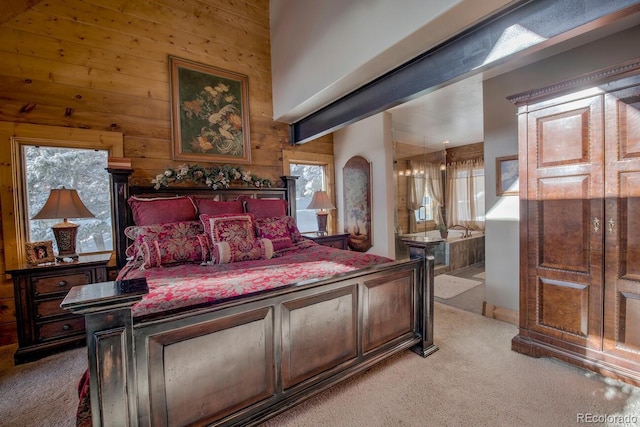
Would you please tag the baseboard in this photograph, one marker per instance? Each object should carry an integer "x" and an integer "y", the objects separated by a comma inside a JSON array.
[{"x": 500, "y": 313}]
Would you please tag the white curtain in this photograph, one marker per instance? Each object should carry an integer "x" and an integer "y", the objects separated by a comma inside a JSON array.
[
  {"x": 465, "y": 194},
  {"x": 425, "y": 179}
]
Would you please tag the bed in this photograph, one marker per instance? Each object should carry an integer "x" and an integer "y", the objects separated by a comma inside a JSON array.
[{"x": 231, "y": 340}]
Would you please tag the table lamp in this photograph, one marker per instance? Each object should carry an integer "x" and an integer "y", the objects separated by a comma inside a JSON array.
[
  {"x": 64, "y": 203},
  {"x": 320, "y": 200}
]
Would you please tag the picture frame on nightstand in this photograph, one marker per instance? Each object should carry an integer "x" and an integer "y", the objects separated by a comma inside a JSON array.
[{"x": 40, "y": 252}]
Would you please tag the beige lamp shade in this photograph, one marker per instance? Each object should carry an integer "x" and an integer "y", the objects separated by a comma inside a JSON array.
[
  {"x": 64, "y": 203},
  {"x": 320, "y": 201}
]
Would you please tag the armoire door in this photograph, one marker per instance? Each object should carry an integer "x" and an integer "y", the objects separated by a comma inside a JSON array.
[
  {"x": 565, "y": 222},
  {"x": 622, "y": 228}
]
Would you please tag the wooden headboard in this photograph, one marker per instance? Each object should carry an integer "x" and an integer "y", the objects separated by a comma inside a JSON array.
[{"x": 121, "y": 191}]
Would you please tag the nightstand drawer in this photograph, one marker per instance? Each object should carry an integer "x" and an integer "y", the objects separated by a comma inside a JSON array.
[
  {"x": 61, "y": 328},
  {"x": 51, "y": 284},
  {"x": 339, "y": 244},
  {"x": 49, "y": 308}
]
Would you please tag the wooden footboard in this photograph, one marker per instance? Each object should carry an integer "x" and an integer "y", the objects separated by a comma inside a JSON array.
[{"x": 245, "y": 360}]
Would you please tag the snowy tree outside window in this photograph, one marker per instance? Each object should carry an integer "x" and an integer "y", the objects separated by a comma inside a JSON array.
[{"x": 46, "y": 168}]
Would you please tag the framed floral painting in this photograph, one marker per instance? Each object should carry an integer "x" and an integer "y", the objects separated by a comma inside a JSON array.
[
  {"x": 209, "y": 113},
  {"x": 356, "y": 176}
]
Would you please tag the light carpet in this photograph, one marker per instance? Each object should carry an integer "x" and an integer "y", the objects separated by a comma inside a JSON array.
[
  {"x": 474, "y": 379},
  {"x": 446, "y": 286}
]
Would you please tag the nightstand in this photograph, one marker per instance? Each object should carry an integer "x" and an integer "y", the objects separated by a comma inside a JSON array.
[
  {"x": 338, "y": 240},
  {"x": 44, "y": 327}
]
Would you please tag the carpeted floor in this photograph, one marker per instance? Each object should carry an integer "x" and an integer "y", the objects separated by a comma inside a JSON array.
[{"x": 474, "y": 379}]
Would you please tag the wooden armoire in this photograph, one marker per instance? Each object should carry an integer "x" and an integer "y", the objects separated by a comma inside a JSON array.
[{"x": 579, "y": 159}]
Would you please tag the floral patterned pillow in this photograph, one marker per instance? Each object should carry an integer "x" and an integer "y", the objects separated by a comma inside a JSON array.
[
  {"x": 294, "y": 233},
  {"x": 236, "y": 251},
  {"x": 229, "y": 228},
  {"x": 275, "y": 229},
  {"x": 158, "y": 253},
  {"x": 172, "y": 230}
]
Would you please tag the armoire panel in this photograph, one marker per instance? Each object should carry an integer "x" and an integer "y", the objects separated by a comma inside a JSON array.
[
  {"x": 629, "y": 211},
  {"x": 564, "y": 226},
  {"x": 564, "y": 138},
  {"x": 629, "y": 126},
  {"x": 629, "y": 320},
  {"x": 563, "y": 306}
]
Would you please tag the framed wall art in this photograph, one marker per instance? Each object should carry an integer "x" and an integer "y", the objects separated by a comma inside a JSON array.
[
  {"x": 209, "y": 113},
  {"x": 40, "y": 252},
  {"x": 506, "y": 175},
  {"x": 356, "y": 177}
]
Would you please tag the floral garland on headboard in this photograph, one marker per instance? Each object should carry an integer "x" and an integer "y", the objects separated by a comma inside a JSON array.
[{"x": 215, "y": 177}]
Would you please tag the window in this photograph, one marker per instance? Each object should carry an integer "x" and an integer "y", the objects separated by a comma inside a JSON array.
[
  {"x": 16, "y": 228},
  {"x": 311, "y": 178},
  {"x": 47, "y": 167},
  {"x": 424, "y": 213},
  {"x": 466, "y": 191},
  {"x": 314, "y": 172}
]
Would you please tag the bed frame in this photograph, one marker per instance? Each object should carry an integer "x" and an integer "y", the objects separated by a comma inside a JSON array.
[{"x": 285, "y": 345}]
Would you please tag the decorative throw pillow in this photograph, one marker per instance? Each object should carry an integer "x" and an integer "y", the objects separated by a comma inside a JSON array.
[
  {"x": 294, "y": 233},
  {"x": 229, "y": 228},
  {"x": 236, "y": 251},
  {"x": 217, "y": 207},
  {"x": 276, "y": 229},
  {"x": 172, "y": 230},
  {"x": 159, "y": 253},
  {"x": 264, "y": 208},
  {"x": 161, "y": 210}
]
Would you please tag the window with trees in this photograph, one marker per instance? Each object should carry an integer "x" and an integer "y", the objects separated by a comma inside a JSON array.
[
  {"x": 314, "y": 172},
  {"x": 46, "y": 168},
  {"x": 17, "y": 195}
]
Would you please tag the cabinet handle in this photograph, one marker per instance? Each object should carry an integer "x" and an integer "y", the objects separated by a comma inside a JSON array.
[
  {"x": 612, "y": 225},
  {"x": 62, "y": 283},
  {"x": 66, "y": 327},
  {"x": 596, "y": 224}
]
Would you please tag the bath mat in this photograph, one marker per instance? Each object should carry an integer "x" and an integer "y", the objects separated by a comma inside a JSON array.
[
  {"x": 480, "y": 275},
  {"x": 449, "y": 286}
]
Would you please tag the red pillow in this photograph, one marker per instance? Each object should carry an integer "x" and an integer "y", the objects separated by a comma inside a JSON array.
[
  {"x": 236, "y": 251},
  {"x": 161, "y": 210},
  {"x": 264, "y": 208},
  {"x": 225, "y": 228},
  {"x": 217, "y": 207},
  {"x": 158, "y": 253},
  {"x": 276, "y": 229}
]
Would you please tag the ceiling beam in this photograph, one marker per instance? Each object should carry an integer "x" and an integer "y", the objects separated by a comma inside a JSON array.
[{"x": 461, "y": 56}]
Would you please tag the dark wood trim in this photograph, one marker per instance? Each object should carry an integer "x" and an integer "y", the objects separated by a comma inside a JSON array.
[
  {"x": 585, "y": 81},
  {"x": 459, "y": 57}
]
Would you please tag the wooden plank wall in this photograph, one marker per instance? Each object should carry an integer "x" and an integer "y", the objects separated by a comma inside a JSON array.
[{"x": 103, "y": 64}]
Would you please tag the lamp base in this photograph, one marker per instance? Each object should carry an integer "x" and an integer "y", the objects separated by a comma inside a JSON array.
[
  {"x": 322, "y": 223},
  {"x": 65, "y": 234}
]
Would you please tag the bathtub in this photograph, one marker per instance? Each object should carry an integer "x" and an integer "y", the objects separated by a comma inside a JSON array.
[
  {"x": 452, "y": 235},
  {"x": 454, "y": 252}
]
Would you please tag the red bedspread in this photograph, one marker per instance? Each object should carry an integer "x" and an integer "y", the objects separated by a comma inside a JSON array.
[{"x": 187, "y": 285}]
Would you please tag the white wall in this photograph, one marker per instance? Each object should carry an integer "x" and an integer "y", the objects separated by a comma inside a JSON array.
[
  {"x": 501, "y": 139},
  {"x": 371, "y": 139},
  {"x": 322, "y": 50}
]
